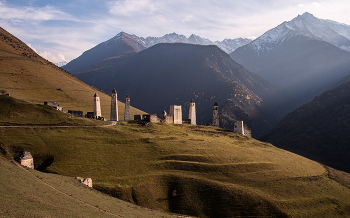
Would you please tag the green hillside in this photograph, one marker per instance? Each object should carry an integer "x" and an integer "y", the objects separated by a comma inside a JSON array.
[
  {"x": 27, "y": 76},
  {"x": 195, "y": 170}
]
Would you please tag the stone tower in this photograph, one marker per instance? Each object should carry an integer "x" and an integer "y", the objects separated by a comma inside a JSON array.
[
  {"x": 176, "y": 112},
  {"x": 238, "y": 127},
  {"x": 97, "y": 106},
  {"x": 192, "y": 113},
  {"x": 114, "y": 106},
  {"x": 216, "y": 115},
  {"x": 127, "y": 108}
]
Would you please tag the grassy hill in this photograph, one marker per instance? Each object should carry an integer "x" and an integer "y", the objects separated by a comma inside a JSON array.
[
  {"x": 27, "y": 76},
  {"x": 26, "y": 193},
  {"x": 196, "y": 170}
]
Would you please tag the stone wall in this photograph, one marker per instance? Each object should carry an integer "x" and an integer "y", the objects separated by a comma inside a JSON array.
[
  {"x": 76, "y": 113},
  {"x": 247, "y": 131},
  {"x": 154, "y": 118}
]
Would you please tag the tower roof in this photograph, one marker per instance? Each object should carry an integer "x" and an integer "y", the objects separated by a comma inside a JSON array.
[
  {"x": 114, "y": 91},
  {"x": 216, "y": 104},
  {"x": 192, "y": 101},
  {"x": 96, "y": 95},
  {"x": 127, "y": 96}
]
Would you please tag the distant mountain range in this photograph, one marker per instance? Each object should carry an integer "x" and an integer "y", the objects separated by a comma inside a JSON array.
[
  {"x": 227, "y": 45},
  {"x": 124, "y": 44},
  {"x": 175, "y": 73},
  {"x": 306, "y": 55}
]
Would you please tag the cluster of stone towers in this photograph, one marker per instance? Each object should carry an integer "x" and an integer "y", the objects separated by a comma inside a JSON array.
[
  {"x": 174, "y": 116},
  {"x": 114, "y": 107}
]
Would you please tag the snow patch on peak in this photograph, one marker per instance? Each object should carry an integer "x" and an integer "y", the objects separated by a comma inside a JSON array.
[
  {"x": 307, "y": 25},
  {"x": 227, "y": 45}
]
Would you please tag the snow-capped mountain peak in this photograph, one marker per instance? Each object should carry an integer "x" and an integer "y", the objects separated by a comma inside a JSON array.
[
  {"x": 227, "y": 45},
  {"x": 307, "y": 25}
]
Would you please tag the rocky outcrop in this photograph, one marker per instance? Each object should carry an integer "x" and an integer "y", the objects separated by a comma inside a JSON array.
[
  {"x": 26, "y": 159},
  {"x": 87, "y": 181}
]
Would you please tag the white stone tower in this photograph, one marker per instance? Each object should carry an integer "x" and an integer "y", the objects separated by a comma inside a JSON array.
[
  {"x": 192, "y": 113},
  {"x": 127, "y": 108},
  {"x": 97, "y": 106},
  {"x": 114, "y": 106},
  {"x": 216, "y": 115},
  {"x": 176, "y": 111}
]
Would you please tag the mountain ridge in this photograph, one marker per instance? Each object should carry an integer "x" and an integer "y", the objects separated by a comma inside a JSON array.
[
  {"x": 292, "y": 56},
  {"x": 124, "y": 44},
  {"x": 174, "y": 73}
]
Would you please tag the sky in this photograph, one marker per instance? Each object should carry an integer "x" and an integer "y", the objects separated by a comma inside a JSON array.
[{"x": 61, "y": 30}]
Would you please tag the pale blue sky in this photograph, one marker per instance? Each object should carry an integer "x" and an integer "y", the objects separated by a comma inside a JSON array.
[{"x": 61, "y": 30}]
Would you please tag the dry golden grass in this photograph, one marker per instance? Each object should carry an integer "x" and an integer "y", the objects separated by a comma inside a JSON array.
[
  {"x": 27, "y": 76},
  {"x": 200, "y": 171}
]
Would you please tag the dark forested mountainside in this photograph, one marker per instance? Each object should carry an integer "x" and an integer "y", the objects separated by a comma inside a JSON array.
[{"x": 319, "y": 129}]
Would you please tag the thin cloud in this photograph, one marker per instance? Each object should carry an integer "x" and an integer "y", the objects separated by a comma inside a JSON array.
[
  {"x": 70, "y": 27},
  {"x": 33, "y": 13},
  {"x": 131, "y": 7}
]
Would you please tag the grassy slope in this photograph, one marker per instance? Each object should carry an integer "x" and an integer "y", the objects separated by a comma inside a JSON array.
[
  {"x": 27, "y": 76},
  {"x": 201, "y": 171},
  {"x": 23, "y": 195}
]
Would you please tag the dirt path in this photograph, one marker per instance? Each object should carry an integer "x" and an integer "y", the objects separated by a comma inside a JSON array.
[
  {"x": 113, "y": 123},
  {"x": 67, "y": 195}
]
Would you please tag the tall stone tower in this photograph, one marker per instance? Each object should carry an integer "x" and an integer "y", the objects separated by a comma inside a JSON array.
[
  {"x": 127, "y": 108},
  {"x": 192, "y": 113},
  {"x": 97, "y": 106},
  {"x": 176, "y": 112},
  {"x": 114, "y": 106},
  {"x": 239, "y": 127},
  {"x": 216, "y": 115}
]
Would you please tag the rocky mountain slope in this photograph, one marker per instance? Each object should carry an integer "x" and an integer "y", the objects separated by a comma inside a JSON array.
[
  {"x": 306, "y": 55},
  {"x": 167, "y": 74},
  {"x": 124, "y": 44},
  {"x": 319, "y": 129},
  {"x": 27, "y": 76}
]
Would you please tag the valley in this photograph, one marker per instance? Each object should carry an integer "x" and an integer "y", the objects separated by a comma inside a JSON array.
[{"x": 143, "y": 169}]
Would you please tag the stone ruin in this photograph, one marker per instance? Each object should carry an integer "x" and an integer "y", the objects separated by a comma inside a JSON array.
[
  {"x": 55, "y": 105},
  {"x": 87, "y": 181},
  {"x": 174, "y": 117},
  {"x": 76, "y": 113},
  {"x": 26, "y": 159},
  {"x": 240, "y": 128}
]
